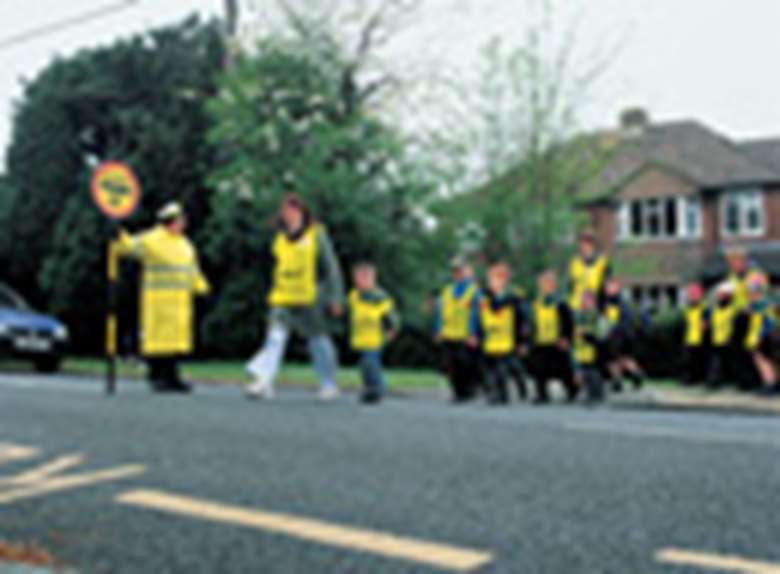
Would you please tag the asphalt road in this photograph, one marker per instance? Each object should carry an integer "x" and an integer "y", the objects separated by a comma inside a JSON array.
[{"x": 214, "y": 483}]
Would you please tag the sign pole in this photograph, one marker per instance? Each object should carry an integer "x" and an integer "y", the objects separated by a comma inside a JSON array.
[
  {"x": 111, "y": 316},
  {"x": 116, "y": 193}
]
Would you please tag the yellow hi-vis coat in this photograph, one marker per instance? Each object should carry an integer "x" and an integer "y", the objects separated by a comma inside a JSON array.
[{"x": 171, "y": 276}]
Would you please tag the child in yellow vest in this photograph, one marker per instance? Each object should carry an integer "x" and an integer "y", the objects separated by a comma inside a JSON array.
[
  {"x": 589, "y": 329},
  {"x": 753, "y": 338},
  {"x": 373, "y": 322},
  {"x": 621, "y": 336},
  {"x": 696, "y": 314},
  {"x": 455, "y": 313},
  {"x": 500, "y": 335},
  {"x": 722, "y": 317},
  {"x": 553, "y": 330}
]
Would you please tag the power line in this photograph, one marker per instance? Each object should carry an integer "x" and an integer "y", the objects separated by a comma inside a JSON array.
[{"x": 54, "y": 27}]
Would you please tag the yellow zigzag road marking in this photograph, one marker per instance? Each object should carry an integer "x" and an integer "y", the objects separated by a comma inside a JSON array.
[
  {"x": 13, "y": 452},
  {"x": 680, "y": 557},
  {"x": 46, "y": 478},
  {"x": 68, "y": 482},
  {"x": 44, "y": 471},
  {"x": 387, "y": 545}
]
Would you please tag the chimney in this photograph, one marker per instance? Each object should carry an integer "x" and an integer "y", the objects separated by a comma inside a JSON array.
[{"x": 634, "y": 121}]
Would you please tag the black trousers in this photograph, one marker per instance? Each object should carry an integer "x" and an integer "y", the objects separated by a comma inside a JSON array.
[
  {"x": 548, "y": 363},
  {"x": 163, "y": 371},
  {"x": 498, "y": 370},
  {"x": 593, "y": 381},
  {"x": 460, "y": 364},
  {"x": 697, "y": 359},
  {"x": 731, "y": 364}
]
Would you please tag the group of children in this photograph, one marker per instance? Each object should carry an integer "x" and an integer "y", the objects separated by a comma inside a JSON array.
[
  {"x": 494, "y": 336},
  {"x": 583, "y": 341},
  {"x": 729, "y": 336}
]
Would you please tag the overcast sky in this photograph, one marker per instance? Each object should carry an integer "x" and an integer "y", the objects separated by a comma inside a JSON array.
[{"x": 714, "y": 60}]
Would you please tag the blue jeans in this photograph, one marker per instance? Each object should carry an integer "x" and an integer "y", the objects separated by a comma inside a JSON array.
[
  {"x": 371, "y": 371},
  {"x": 267, "y": 361}
]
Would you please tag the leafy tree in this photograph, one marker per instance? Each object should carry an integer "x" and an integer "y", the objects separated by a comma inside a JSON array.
[
  {"x": 290, "y": 123},
  {"x": 139, "y": 101},
  {"x": 517, "y": 152}
]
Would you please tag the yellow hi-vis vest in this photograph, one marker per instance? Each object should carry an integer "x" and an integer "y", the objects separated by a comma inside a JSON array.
[
  {"x": 755, "y": 328},
  {"x": 694, "y": 325},
  {"x": 498, "y": 327},
  {"x": 366, "y": 329},
  {"x": 171, "y": 276},
  {"x": 756, "y": 321},
  {"x": 584, "y": 351},
  {"x": 722, "y": 324},
  {"x": 546, "y": 328},
  {"x": 584, "y": 277},
  {"x": 456, "y": 312},
  {"x": 295, "y": 272},
  {"x": 741, "y": 299},
  {"x": 612, "y": 314}
]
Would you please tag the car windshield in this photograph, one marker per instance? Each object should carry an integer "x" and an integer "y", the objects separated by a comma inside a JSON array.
[{"x": 9, "y": 299}]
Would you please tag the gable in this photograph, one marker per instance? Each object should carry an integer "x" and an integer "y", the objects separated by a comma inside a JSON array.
[{"x": 656, "y": 181}]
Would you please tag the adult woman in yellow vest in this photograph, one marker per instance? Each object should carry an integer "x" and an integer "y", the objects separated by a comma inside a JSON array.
[
  {"x": 306, "y": 286},
  {"x": 696, "y": 325},
  {"x": 553, "y": 331},
  {"x": 754, "y": 339},
  {"x": 501, "y": 335},
  {"x": 455, "y": 314},
  {"x": 722, "y": 317},
  {"x": 171, "y": 276},
  {"x": 588, "y": 270}
]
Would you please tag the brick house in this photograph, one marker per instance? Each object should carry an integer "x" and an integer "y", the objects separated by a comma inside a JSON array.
[{"x": 673, "y": 195}]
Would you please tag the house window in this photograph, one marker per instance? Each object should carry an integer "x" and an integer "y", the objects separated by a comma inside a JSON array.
[
  {"x": 743, "y": 213},
  {"x": 659, "y": 218},
  {"x": 690, "y": 213}
]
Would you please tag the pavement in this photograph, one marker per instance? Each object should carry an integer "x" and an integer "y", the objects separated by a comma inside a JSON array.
[
  {"x": 214, "y": 483},
  {"x": 699, "y": 399}
]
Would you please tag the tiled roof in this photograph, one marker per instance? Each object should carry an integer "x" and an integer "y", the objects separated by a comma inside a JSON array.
[
  {"x": 692, "y": 150},
  {"x": 764, "y": 151}
]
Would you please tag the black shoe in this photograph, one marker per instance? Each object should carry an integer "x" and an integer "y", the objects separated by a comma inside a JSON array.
[
  {"x": 769, "y": 391},
  {"x": 371, "y": 397},
  {"x": 617, "y": 386},
  {"x": 538, "y": 401},
  {"x": 498, "y": 400},
  {"x": 179, "y": 387}
]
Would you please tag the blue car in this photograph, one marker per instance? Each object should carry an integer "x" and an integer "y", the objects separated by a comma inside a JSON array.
[{"x": 27, "y": 335}]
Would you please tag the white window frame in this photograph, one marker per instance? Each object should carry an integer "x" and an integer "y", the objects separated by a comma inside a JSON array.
[
  {"x": 744, "y": 196},
  {"x": 681, "y": 204}
]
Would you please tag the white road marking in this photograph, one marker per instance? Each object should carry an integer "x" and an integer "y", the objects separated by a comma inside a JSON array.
[
  {"x": 691, "y": 435},
  {"x": 719, "y": 562},
  {"x": 373, "y": 542}
]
